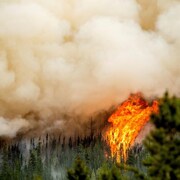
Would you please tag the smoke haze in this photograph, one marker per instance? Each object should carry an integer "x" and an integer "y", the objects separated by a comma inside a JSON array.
[{"x": 78, "y": 57}]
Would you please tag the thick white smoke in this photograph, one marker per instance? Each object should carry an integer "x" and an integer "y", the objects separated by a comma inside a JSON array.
[{"x": 77, "y": 57}]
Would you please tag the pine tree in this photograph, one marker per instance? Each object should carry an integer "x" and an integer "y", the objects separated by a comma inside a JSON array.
[{"x": 164, "y": 142}]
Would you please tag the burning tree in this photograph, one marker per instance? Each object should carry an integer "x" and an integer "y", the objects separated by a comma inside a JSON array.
[{"x": 126, "y": 123}]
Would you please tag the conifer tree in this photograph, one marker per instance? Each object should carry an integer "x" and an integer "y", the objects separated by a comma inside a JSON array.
[{"x": 164, "y": 142}]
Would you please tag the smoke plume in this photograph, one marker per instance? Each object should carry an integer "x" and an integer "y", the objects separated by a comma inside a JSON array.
[{"x": 77, "y": 57}]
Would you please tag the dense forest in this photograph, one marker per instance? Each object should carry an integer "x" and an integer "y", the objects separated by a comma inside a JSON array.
[{"x": 56, "y": 157}]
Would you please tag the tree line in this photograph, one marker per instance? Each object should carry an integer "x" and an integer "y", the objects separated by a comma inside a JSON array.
[{"x": 89, "y": 158}]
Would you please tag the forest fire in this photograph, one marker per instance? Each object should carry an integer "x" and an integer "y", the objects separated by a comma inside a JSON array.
[{"x": 126, "y": 123}]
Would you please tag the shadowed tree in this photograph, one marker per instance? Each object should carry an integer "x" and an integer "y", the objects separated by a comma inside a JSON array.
[
  {"x": 164, "y": 142},
  {"x": 79, "y": 172}
]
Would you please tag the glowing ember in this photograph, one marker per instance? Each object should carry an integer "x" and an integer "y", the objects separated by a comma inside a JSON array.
[{"x": 126, "y": 123}]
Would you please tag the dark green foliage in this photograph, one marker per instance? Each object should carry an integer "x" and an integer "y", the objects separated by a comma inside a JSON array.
[
  {"x": 79, "y": 172},
  {"x": 109, "y": 173},
  {"x": 11, "y": 163},
  {"x": 130, "y": 172},
  {"x": 5, "y": 169},
  {"x": 164, "y": 142}
]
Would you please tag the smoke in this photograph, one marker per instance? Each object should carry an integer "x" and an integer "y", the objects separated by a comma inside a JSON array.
[
  {"x": 10, "y": 127},
  {"x": 77, "y": 57}
]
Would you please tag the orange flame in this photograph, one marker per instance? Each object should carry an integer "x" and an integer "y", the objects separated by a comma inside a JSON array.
[{"x": 126, "y": 123}]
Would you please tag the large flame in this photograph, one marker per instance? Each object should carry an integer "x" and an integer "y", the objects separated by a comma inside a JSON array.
[{"x": 126, "y": 123}]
